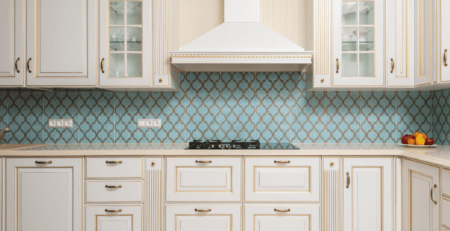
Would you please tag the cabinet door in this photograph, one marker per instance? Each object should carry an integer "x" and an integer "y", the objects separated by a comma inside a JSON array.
[
  {"x": 400, "y": 43},
  {"x": 420, "y": 197},
  {"x": 114, "y": 218},
  {"x": 444, "y": 55},
  {"x": 358, "y": 43},
  {"x": 368, "y": 194},
  {"x": 44, "y": 194},
  {"x": 423, "y": 42},
  {"x": 11, "y": 45},
  {"x": 125, "y": 43},
  {"x": 61, "y": 43}
]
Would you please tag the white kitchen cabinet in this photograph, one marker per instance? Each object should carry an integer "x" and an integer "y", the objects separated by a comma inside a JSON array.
[
  {"x": 420, "y": 196},
  {"x": 114, "y": 191},
  {"x": 368, "y": 198},
  {"x": 11, "y": 43},
  {"x": 114, "y": 167},
  {"x": 282, "y": 217},
  {"x": 443, "y": 56},
  {"x": 114, "y": 218},
  {"x": 425, "y": 29},
  {"x": 44, "y": 194},
  {"x": 125, "y": 44},
  {"x": 359, "y": 41},
  {"x": 446, "y": 182},
  {"x": 61, "y": 43}
]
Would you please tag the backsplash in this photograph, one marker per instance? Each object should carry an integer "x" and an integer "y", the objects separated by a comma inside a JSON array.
[{"x": 268, "y": 106}]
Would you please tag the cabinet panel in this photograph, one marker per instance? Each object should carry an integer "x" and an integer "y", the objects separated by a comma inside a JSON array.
[
  {"x": 61, "y": 47},
  {"x": 368, "y": 194},
  {"x": 101, "y": 218},
  {"x": 114, "y": 191},
  {"x": 42, "y": 194},
  {"x": 446, "y": 211},
  {"x": 444, "y": 55},
  {"x": 446, "y": 182},
  {"x": 116, "y": 167},
  {"x": 423, "y": 42}
]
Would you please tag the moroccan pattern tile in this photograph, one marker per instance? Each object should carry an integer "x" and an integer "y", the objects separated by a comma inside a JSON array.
[{"x": 272, "y": 107}]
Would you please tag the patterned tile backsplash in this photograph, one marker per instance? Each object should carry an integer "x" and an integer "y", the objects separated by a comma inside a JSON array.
[{"x": 273, "y": 107}]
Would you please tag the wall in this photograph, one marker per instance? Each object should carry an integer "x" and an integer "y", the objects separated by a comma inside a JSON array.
[
  {"x": 441, "y": 117},
  {"x": 269, "y": 106}
]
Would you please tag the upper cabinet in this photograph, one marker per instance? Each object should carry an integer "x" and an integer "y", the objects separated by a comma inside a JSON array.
[
  {"x": 11, "y": 43},
  {"x": 61, "y": 43},
  {"x": 443, "y": 49}
]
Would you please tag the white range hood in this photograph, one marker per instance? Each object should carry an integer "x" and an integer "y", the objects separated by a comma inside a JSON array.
[{"x": 241, "y": 43}]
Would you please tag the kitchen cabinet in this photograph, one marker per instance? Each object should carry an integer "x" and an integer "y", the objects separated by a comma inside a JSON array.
[
  {"x": 425, "y": 29},
  {"x": 367, "y": 190},
  {"x": 359, "y": 42},
  {"x": 114, "y": 218},
  {"x": 443, "y": 49},
  {"x": 11, "y": 43},
  {"x": 44, "y": 194},
  {"x": 421, "y": 204}
]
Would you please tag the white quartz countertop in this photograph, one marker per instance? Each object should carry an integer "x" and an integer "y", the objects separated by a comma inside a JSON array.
[{"x": 439, "y": 155}]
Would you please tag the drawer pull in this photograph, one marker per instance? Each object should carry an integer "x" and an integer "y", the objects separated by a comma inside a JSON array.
[
  {"x": 43, "y": 162},
  {"x": 114, "y": 162},
  {"x": 282, "y": 162},
  {"x": 348, "y": 179},
  {"x": 113, "y": 211},
  {"x": 28, "y": 65},
  {"x": 15, "y": 65},
  {"x": 203, "y": 161},
  {"x": 282, "y": 211},
  {"x": 202, "y": 210},
  {"x": 431, "y": 194},
  {"x": 113, "y": 186}
]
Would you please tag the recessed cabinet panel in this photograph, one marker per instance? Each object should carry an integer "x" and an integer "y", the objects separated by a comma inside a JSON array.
[
  {"x": 114, "y": 218},
  {"x": 114, "y": 191},
  {"x": 446, "y": 211},
  {"x": 117, "y": 167},
  {"x": 423, "y": 42},
  {"x": 444, "y": 56},
  {"x": 446, "y": 182}
]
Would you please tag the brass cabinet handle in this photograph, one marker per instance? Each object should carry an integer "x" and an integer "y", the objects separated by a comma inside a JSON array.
[
  {"x": 282, "y": 162},
  {"x": 202, "y": 210},
  {"x": 282, "y": 211},
  {"x": 101, "y": 65},
  {"x": 331, "y": 164},
  {"x": 114, "y": 162},
  {"x": 43, "y": 162},
  {"x": 17, "y": 68},
  {"x": 348, "y": 179},
  {"x": 392, "y": 65},
  {"x": 160, "y": 80},
  {"x": 203, "y": 161},
  {"x": 28, "y": 65},
  {"x": 113, "y": 211},
  {"x": 431, "y": 194},
  {"x": 445, "y": 57},
  {"x": 322, "y": 80},
  {"x": 113, "y": 186},
  {"x": 337, "y": 65}
]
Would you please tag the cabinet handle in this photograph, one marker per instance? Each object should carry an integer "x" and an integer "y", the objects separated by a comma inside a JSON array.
[
  {"x": 282, "y": 162},
  {"x": 202, "y": 210},
  {"x": 431, "y": 194},
  {"x": 445, "y": 57},
  {"x": 348, "y": 179},
  {"x": 337, "y": 65},
  {"x": 331, "y": 164},
  {"x": 282, "y": 211},
  {"x": 322, "y": 80},
  {"x": 392, "y": 65},
  {"x": 17, "y": 68},
  {"x": 113, "y": 211},
  {"x": 114, "y": 162},
  {"x": 113, "y": 186},
  {"x": 101, "y": 65},
  {"x": 28, "y": 65},
  {"x": 160, "y": 80},
  {"x": 43, "y": 162},
  {"x": 203, "y": 161}
]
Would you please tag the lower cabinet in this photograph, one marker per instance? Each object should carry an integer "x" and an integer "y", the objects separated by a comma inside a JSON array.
[
  {"x": 282, "y": 217},
  {"x": 203, "y": 217},
  {"x": 44, "y": 194},
  {"x": 420, "y": 196},
  {"x": 114, "y": 218},
  {"x": 368, "y": 194}
]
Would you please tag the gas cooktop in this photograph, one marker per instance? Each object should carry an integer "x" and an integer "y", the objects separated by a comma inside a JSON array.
[{"x": 239, "y": 144}]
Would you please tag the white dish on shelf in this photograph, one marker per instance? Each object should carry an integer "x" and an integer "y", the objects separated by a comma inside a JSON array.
[{"x": 419, "y": 146}]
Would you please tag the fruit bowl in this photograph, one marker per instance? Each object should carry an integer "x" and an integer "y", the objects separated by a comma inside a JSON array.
[
  {"x": 418, "y": 146},
  {"x": 418, "y": 140}
]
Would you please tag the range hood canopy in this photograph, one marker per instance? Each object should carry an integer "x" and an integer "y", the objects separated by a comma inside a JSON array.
[{"x": 241, "y": 43}]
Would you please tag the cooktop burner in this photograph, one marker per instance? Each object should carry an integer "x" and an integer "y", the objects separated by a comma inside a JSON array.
[{"x": 239, "y": 144}]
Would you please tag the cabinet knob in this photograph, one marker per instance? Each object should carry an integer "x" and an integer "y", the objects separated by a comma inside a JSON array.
[
  {"x": 160, "y": 80},
  {"x": 322, "y": 80},
  {"x": 331, "y": 164}
]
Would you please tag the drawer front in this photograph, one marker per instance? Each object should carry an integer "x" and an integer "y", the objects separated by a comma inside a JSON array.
[
  {"x": 282, "y": 179},
  {"x": 114, "y": 168},
  {"x": 446, "y": 212},
  {"x": 290, "y": 218},
  {"x": 108, "y": 218},
  {"x": 203, "y": 217},
  {"x": 203, "y": 179},
  {"x": 114, "y": 191},
  {"x": 446, "y": 182}
]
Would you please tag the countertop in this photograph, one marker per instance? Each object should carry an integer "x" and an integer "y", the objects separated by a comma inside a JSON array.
[{"x": 439, "y": 155}]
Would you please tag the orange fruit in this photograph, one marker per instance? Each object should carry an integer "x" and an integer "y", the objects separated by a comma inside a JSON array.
[
  {"x": 420, "y": 140},
  {"x": 411, "y": 141},
  {"x": 416, "y": 134},
  {"x": 424, "y": 135}
]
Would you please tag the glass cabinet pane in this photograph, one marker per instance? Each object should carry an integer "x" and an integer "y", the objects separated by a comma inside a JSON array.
[
  {"x": 366, "y": 65},
  {"x": 349, "y": 65},
  {"x": 116, "y": 65},
  {"x": 116, "y": 39},
  {"x": 134, "y": 40},
  {"x": 116, "y": 13},
  {"x": 134, "y": 13},
  {"x": 134, "y": 65},
  {"x": 366, "y": 13},
  {"x": 366, "y": 36},
  {"x": 349, "y": 39},
  {"x": 349, "y": 13}
]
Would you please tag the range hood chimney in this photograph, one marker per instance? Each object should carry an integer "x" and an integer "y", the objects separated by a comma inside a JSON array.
[{"x": 241, "y": 43}]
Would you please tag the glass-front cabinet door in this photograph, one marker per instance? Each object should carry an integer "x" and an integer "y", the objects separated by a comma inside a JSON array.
[
  {"x": 125, "y": 43},
  {"x": 358, "y": 43}
]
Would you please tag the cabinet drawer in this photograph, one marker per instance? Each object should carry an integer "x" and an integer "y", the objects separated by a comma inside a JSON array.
[
  {"x": 113, "y": 191},
  {"x": 446, "y": 211},
  {"x": 290, "y": 218},
  {"x": 109, "y": 168},
  {"x": 286, "y": 179},
  {"x": 203, "y": 217},
  {"x": 446, "y": 182},
  {"x": 203, "y": 179},
  {"x": 107, "y": 218}
]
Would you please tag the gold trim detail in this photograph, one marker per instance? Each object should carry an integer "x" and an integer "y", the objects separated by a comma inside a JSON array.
[{"x": 249, "y": 56}]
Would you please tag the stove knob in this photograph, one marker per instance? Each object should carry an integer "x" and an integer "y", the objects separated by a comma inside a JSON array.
[
  {"x": 233, "y": 146},
  {"x": 212, "y": 145},
  {"x": 227, "y": 146},
  {"x": 219, "y": 146}
]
